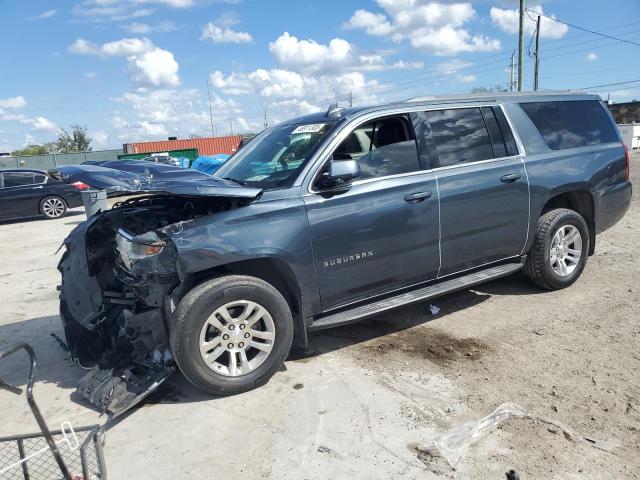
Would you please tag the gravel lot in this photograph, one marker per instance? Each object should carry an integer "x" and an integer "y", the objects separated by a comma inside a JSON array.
[{"x": 359, "y": 400}]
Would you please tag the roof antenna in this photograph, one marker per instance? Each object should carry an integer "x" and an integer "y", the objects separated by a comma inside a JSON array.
[{"x": 334, "y": 110}]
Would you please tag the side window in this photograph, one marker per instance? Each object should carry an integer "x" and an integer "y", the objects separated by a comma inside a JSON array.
[
  {"x": 382, "y": 147},
  {"x": 460, "y": 136},
  {"x": 17, "y": 179},
  {"x": 571, "y": 124},
  {"x": 497, "y": 142},
  {"x": 39, "y": 178},
  {"x": 507, "y": 134}
]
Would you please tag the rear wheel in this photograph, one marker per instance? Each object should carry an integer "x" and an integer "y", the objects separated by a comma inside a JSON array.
[
  {"x": 53, "y": 207},
  {"x": 231, "y": 334},
  {"x": 560, "y": 249}
]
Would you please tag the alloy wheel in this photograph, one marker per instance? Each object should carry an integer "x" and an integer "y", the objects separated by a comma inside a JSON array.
[
  {"x": 53, "y": 207},
  {"x": 237, "y": 338},
  {"x": 566, "y": 250}
]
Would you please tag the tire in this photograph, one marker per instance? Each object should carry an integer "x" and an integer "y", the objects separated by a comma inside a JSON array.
[
  {"x": 53, "y": 207},
  {"x": 547, "y": 255},
  {"x": 199, "y": 320}
]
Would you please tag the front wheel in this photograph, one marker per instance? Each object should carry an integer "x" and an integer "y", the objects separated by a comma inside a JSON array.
[
  {"x": 560, "y": 249},
  {"x": 53, "y": 207},
  {"x": 231, "y": 334}
]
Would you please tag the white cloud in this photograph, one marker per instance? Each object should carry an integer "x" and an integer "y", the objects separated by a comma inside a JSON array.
[
  {"x": 147, "y": 64},
  {"x": 127, "y": 46},
  {"x": 13, "y": 102},
  {"x": 310, "y": 55},
  {"x": 90, "y": 75},
  {"x": 46, "y": 14},
  {"x": 591, "y": 56},
  {"x": 508, "y": 21},
  {"x": 430, "y": 27},
  {"x": 122, "y": 10},
  {"x": 143, "y": 28},
  {"x": 156, "y": 68},
  {"x": 41, "y": 123},
  {"x": 83, "y": 47},
  {"x": 278, "y": 83},
  {"x": 224, "y": 34},
  {"x": 233, "y": 84},
  {"x": 100, "y": 139}
]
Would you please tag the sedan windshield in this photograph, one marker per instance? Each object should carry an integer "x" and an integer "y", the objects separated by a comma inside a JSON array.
[{"x": 275, "y": 158}]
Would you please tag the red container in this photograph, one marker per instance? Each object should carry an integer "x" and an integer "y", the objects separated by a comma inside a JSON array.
[{"x": 205, "y": 146}]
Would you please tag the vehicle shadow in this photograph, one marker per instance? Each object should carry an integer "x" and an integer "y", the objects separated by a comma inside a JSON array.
[
  {"x": 398, "y": 320},
  {"x": 55, "y": 365}
]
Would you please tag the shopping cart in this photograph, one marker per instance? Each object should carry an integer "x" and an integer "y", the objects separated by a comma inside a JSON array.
[{"x": 65, "y": 454}]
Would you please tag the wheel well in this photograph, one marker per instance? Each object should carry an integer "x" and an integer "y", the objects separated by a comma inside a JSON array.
[
  {"x": 272, "y": 271},
  {"x": 582, "y": 202}
]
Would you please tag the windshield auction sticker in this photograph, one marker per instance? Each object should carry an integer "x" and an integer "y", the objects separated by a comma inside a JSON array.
[{"x": 309, "y": 128}]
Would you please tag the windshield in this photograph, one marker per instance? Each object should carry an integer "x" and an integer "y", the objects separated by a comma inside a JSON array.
[{"x": 275, "y": 157}]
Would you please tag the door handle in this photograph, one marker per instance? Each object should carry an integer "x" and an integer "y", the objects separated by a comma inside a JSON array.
[
  {"x": 417, "y": 197},
  {"x": 510, "y": 177}
]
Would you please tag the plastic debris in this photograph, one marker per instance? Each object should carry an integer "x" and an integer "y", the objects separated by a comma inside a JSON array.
[
  {"x": 434, "y": 309},
  {"x": 452, "y": 444}
]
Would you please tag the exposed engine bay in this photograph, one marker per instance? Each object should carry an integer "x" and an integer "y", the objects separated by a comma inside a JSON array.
[{"x": 119, "y": 272}]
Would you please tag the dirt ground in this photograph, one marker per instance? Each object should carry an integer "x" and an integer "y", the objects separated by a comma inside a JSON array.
[{"x": 356, "y": 404}]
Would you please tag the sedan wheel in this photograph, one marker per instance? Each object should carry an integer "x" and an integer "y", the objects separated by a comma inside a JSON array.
[{"x": 53, "y": 207}]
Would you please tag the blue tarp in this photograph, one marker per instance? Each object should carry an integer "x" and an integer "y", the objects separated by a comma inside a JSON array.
[{"x": 209, "y": 164}]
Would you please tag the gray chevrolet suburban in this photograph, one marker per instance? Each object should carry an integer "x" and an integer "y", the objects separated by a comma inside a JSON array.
[{"x": 324, "y": 220}]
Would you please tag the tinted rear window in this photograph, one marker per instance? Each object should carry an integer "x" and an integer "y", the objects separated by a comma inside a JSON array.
[
  {"x": 460, "y": 136},
  {"x": 571, "y": 124},
  {"x": 17, "y": 179}
]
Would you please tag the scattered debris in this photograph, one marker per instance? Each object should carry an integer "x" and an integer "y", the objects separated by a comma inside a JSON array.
[
  {"x": 452, "y": 444},
  {"x": 298, "y": 386},
  {"x": 512, "y": 475},
  {"x": 434, "y": 309}
]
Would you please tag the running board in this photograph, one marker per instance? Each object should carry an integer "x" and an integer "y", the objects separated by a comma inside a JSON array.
[{"x": 421, "y": 294}]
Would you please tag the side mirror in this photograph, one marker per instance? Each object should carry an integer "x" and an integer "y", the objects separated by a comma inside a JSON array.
[{"x": 340, "y": 173}]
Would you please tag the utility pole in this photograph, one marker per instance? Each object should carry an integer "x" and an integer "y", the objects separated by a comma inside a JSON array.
[
  {"x": 210, "y": 110},
  {"x": 537, "y": 64},
  {"x": 512, "y": 82},
  {"x": 266, "y": 122},
  {"x": 520, "y": 45},
  {"x": 231, "y": 126},
  {"x": 350, "y": 100}
]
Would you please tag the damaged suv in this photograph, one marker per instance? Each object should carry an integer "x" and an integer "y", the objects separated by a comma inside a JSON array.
[{"x": 324, "y": 220}]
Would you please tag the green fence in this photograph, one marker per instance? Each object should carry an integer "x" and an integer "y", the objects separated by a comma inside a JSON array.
[{"x": 45, "y": 162}]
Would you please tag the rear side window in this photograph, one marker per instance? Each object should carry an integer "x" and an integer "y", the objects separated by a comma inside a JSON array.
[
  {"x": 572, "y": 123},
  {"x": 382, "y": 147},
  {"x": 17, "y": 179},
  {"x": 460, "y": 136}
]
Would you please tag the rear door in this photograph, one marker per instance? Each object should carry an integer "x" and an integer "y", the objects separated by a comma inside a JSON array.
[
  {"x": 19, "y": 195},
  {"x": 381, "y": 233},
  {"x": 483, "y": 186}
]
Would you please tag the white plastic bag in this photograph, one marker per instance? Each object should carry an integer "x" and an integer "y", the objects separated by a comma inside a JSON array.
[{"x": 452, "y": 444}]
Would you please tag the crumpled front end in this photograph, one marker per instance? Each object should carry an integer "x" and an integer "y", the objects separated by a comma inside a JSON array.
[{"x": 118, "y": 274}]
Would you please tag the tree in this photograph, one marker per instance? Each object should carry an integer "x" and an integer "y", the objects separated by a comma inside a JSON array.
[
  {"x": 76, "y": 141},
  {"x": 495, "y": 88},
  {"x": 31, "y": 150}
]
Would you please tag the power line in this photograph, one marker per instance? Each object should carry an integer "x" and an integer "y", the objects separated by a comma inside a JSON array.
[
  {"x": 610, "y": 84},
  {"x": 584, "y": 29}
]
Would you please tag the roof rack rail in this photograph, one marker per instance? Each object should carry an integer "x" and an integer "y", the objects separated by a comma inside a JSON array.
[{"x": 488, "y": 95}]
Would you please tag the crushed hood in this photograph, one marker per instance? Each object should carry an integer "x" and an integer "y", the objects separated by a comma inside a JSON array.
[{"x": 138, "y": 176}]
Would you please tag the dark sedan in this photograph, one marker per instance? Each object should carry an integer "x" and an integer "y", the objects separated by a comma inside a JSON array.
[{"x": 28, "y": 193}]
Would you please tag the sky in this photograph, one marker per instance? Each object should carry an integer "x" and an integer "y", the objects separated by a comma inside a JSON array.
[{"x": 136, "y": 70}]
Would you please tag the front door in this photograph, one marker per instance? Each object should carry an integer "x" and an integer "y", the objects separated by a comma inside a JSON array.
[{"x": 381, "y": 233}]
